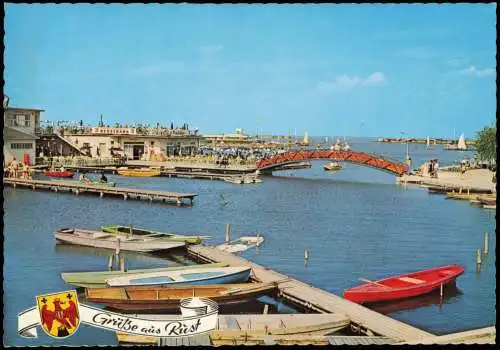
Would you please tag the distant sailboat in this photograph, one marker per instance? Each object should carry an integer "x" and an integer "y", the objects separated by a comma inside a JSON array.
[
  {"x": 461, "y": 142},
  {"x": 306, "y": 138},
  {"x": 460, "y": 146},
  {"x": 428, "y": 143},
  {"x": 305, "y": 141}
]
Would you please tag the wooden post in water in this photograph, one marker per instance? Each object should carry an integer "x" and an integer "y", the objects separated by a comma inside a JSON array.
[
  {"x": 228, "y": 230},
  {"x": 122, "y": 264},
  {"x": 110, "y": 262},
  {"x": 117, "y": 251},
  {"x": 306, "y": 255},
  {"x": 478, "y": 257},
  {"x": 486, "y": 243}
]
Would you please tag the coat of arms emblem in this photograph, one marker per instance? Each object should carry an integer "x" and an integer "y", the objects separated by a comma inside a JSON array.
[{"x": 59, "y": 315}]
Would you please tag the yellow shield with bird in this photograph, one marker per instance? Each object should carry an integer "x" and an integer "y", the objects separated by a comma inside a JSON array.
[{"x": 59, "y": 316}]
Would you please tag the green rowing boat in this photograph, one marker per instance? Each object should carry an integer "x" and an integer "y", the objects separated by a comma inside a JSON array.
[
  {"x": 98, "y": 279},
  {"x": 123, "y": 230}
]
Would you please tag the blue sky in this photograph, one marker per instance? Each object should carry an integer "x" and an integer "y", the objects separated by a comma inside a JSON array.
[{"x": 354, "y": 70}]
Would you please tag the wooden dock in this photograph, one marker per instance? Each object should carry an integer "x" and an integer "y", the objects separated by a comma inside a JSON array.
[
  {"x": 363, "y": 320},
  {"x": 477, "y": 336},
  {"x": 77, "y": 188}
]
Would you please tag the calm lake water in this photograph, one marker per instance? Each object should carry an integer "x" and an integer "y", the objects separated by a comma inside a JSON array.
[{"x": 355, "y": 223}]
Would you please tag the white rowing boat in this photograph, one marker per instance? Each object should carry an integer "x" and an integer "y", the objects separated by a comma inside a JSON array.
[{"x": 100, "y": 239}]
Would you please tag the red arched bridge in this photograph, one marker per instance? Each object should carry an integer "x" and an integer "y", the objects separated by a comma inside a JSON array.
[{"x": 367, "y": 159}]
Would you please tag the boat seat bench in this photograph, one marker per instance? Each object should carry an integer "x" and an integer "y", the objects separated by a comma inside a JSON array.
[{"x": 411, "y": 280}]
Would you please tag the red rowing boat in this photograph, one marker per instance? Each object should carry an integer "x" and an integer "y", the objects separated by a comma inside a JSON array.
[
  {"x": 404, "y": 286},
  {"x": 58, "y": 173}
]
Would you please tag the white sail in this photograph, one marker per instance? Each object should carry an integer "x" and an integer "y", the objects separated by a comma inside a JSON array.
[
  {"x": 461, "y": 142},
  {"x": 428, "y": 142}
]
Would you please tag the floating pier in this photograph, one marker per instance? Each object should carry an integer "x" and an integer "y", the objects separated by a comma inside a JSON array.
[
  {"x": 363, "y": 320},
  {"x": 77, "y": 188}
]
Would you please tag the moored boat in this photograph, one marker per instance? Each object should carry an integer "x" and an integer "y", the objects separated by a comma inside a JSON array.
[
  {"x": 332, "y": 166},
  {"x": 145, "y": 299},
  {"x": 143, "y": 172},
  {"x": 108, "y": 240},
  {"x": 241, "y": 244},
  {"x": 121, "y": 230},
  {"x": 97, "y": 279},
  {"x": 404, "y": 286},
  {"x": 58, "y": 173},
  {"x": 219, "y": 275},
  {"x": 257, "y": 329}
]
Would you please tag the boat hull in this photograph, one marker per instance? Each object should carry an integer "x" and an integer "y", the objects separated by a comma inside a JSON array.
[
  {"x": 404, "y": 286},
  {"x": 140, "y": 299},
  {"x": 122, "y": 230},
  {"x": 164, "y": 280},
  {"x": 65, "y": 174},
  {"x": 98, "y": 279},
  {"x": 138, "y": 173},
  {"x": 124, "y": 245}
]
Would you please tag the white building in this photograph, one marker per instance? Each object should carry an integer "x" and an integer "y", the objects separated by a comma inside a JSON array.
[{"x": 21, "y": 127}]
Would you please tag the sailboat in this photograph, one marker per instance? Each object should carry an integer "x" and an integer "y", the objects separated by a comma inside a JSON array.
[
  {"x": 460, "y": 146},
  {"x": 428, "y": 144},
  {"x": 305, "y": 142},
  {"x": 461, "y": 143}
]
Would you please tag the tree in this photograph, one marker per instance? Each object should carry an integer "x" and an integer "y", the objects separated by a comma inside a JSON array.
[{"x": 486, "y": 145}]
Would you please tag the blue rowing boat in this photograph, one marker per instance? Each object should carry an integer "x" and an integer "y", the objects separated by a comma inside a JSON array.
[{"x": 216, "y": 275}]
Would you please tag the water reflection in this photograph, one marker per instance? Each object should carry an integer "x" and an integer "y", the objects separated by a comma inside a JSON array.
[{"x": 450, "y": 293}]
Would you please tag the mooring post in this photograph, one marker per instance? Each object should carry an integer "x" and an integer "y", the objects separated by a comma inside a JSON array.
[
  {"x": 102, "y": 194},
  {"x": 125, "y": 196},
  {"x": 486, "y": 243},
  {"x": 122, "y": 264},
  {"x": 478, "y": 257},
  {"x": 266, "y": 309},
  {"x": 228, "y": 230},
  {"x": 110, "y": 262},
  {"x": 306, "y": 255},
  {"x": 441, "y": 291},
  {"x": 77, "y": 191},
  {"x": 117, "y": 251}
]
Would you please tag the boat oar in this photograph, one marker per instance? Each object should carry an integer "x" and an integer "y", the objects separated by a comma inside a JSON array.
[{"x": 372, "y": 282}]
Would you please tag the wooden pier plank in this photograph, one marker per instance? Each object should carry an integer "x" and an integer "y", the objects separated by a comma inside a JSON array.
[
  {"x": 70, "y": 185},
  {"x": 317, "y": 299}
]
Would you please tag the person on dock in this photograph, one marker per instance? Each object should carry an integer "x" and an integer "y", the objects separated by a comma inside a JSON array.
[
  {"x": 103, "y": 177},
  {"x": 436, "y": 168},
  {"x": 84, "y": 177},
  {"x": 14, "y": 166}
]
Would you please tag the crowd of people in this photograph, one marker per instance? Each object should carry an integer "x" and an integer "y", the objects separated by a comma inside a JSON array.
[{"x": 17, "y": 169}]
